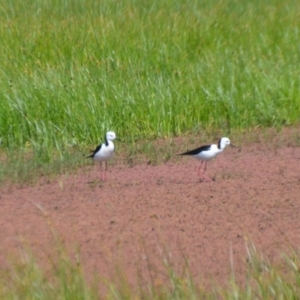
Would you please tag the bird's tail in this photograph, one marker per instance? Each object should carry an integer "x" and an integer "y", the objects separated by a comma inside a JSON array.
[{"x": 185, "y": 153}]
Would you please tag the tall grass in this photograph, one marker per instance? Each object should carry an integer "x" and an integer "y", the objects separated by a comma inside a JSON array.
[
  {"x": 26, "y": 279},
  {"x": 72, "y": 69}
]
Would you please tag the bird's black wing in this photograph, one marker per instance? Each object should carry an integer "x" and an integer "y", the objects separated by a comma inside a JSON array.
[
  {"x": 95, "y": 151},
  {"x": 196, "y": 151}
]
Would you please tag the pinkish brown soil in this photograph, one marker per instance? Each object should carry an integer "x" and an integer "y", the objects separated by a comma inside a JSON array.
[{"x": 146, "y": 214}]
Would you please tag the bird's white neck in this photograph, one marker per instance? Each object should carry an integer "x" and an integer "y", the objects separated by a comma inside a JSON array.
[
  {"x": 221, "y": 145},
  {"x": 218, "y": 148},
  {"x": 109, "y": 144}
]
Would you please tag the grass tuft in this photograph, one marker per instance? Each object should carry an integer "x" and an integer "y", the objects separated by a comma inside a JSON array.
[{"x": 26, "y": 279}]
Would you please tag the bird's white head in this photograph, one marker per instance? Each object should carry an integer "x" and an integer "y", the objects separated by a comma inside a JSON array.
[
  {"x": 223, "y": 142},
  {"x": 110, "y": 136}
]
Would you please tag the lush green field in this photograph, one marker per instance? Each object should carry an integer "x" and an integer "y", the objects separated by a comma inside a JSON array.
[{"x": 72, "y": 69}]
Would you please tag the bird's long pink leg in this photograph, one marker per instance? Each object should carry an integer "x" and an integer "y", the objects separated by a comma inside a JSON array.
[
  {"x": 102, "y": 173},
  {"x": 202, "y": 174},
  {"x": 105, "y": 168},
  {"x": 199, "y": 169}
]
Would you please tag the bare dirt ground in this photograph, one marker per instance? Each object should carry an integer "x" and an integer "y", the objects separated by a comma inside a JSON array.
[{"x": 146, "y": 214}]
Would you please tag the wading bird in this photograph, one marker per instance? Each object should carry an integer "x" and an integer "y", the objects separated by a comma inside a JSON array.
[
  {"x": 208, "y": 152},
  {"x": 104, "y": 152}
]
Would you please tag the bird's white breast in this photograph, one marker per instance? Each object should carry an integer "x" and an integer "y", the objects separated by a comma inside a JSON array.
[{"x": 106, "y": 152}]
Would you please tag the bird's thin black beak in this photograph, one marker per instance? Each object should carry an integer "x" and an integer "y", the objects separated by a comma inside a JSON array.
[
  {"x": 233, "y": 146},
  {"x": 119, "y": 140}
]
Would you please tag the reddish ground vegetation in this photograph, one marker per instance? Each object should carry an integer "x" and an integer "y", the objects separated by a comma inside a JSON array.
[{"x": 145, "y": 214}]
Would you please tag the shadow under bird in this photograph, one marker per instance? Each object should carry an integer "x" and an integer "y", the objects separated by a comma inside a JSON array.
[
  {"x": 208, "y": 152},
  {"x": 104, "y": 152}
]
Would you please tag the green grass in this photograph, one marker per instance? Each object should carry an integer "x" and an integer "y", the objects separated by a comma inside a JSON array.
[
  {"x": 26, "y": 279},
  {"x": 71, "y": 70}
]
